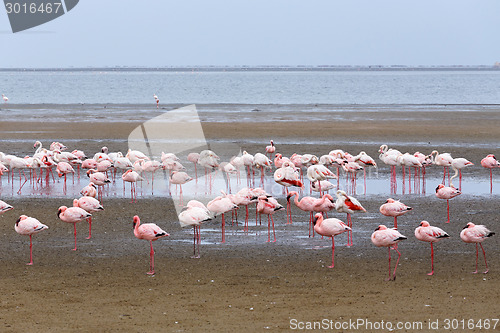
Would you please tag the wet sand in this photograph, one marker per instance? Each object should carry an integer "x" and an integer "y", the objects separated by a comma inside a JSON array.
[{"x": 247, "y": 284}]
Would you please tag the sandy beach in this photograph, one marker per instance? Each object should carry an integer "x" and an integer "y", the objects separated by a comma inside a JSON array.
[{"x": 248, "y": 285}]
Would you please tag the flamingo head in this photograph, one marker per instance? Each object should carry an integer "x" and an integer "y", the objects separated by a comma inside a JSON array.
[
  {"x": 381, "y": 227},
  {"x": 469, "y": 225},
  {"x": 137, "y": 221},
  {"x": 424, "y": 224},
  {"x": 61, "y": 209},
  {"x": 317, "y": 217},
  {"x": 440, "y": 186}
]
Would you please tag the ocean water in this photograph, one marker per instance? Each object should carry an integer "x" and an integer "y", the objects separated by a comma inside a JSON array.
[{"x": 253, "y": 87}]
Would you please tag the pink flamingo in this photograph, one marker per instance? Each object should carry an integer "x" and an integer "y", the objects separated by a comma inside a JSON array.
[
  {"x": 287, "y": 176},
  {"x": 427, "y": 233},
  {"x": 319, "y": 172},
  {"x": 490, "y": 162},
  {"x": 63, "y": 168},
  {"x": 149, "y": 232},
  {"x": 347, "y": 204},
  {"x": 157, "y": 100},
  {"x": 408, "y": 160},
  {"x": 179, "y": 178},
  {"x": 447, "y": 192},
  {"x": 390, "y": 157},
  {"x": 476, "y": 234},
  {"x": 329, "y": 228},
  {"x": 72, "y": 215},
  {"x": 261, "y": 161},
  {"x": 366, "y": 161},
  {"x": 221, "y": 205},
  {"x": 323, "y": 185},
  {"x": 270, "y": 149},
  {"x": 89, "y": 191},
  {"x": 194, "y": 216},
  {"x": 5, "y": 99},
  {"x": 459, "y": 164},
  {"x": 98, "y": 178},
  {"x": 394, "y": 208},
  {"x": 306, "y": 204},
  {"x": 132, "y": 177},
  {"x": 193, "y": 158},
  {"x": 324, "y": 204},
  {"x": 444, "y": 160},
  {"x": 388, "y": 237},
  {"x": 268, "y": 206},
  {"x": 29, "y": 226},
  {"x": 4, "y": 207},
  {"x": 90, "y": 205},
  {"x": 134, "y": 155}
]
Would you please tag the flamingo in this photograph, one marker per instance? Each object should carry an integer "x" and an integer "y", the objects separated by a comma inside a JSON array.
[
  {"x": 472, "y": 233},
  {"x": 427, "y": 233},
  {"x": 90, "y": 205},
  {"x": 193, "y": 158},
  {"x": 157, "y": 100},
  {"x": 287, "y": 176},
  {"x": 20, "y": 164},
  {"x": 132, "y": 177},
  {"x": 29, "y": 226},
  {"x": 447, "y": 192},
  {"x": 72, "y": 215},
  {"x": 63, "y": 168},
  {"x": 4, "y": 207},
  {"x": 390, "y": 157},
  {"x": 443, "y": 159},
  {"x": 89, "y": 191},
  {"x": 490, "y": 162},
  {"x": 134, "y": 155},
  {"x": 408, "y": 160},
  {"x": 149, "y": 232},
  {"x": 323, "y": 185},
  {"x": 270, "y": 149},
  {"x": 221, "y": 205},
  {"x": 5, "y": 99},
  {"x": 319, "y": 172},
  {"x": 268, "y": 206},
  {"x": 179, "y": 178},
  {"x": 329, "y": 228},
  {"x": 57, "y": 146},
  {"x": 458, "y": 164},
  {"x": 388, "y": 237},
  {"x": 209, "y": 160},
  {"x": 98, "y": 178},
  {"x": 306, "y": 204},
  {"x": 194, "y": 216},
  {"x": 89, "y": 163},
  {"x": 347, "y": 204},
  {"x": 366, "y": 161},
  {"x": 152, "y": 167},
  {"x": 394, "y": 208}
]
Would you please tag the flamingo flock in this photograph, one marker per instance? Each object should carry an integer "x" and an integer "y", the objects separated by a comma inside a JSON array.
[{"x": 135, "y": 167}]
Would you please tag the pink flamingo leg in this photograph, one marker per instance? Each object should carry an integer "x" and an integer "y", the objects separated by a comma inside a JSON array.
[
  {"x": 31, "y": 253},
  {"x": 333, "y": 253},
  {"x": 74, "y": 225},
  {"x": 90, "y": 227},
  {"x": 477, "y": 257},
  {"x": 245, "y": 228},
  {"x": 432, "y": 260},
  {"x": 491, "y": 181},
  {"x": 223, "y": 229},
  {"x": 395, "y": 222},
  {"x": 484, "y": 255},
  {"x": 389, "y": 278},
  {"x": 397, "y": 263},
  {"x": 151, "y": 260},
  {"x": 448, "y": 210}
]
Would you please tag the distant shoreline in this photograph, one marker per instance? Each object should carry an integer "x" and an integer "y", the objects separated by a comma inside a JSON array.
[{"x": 258, "y": 69}]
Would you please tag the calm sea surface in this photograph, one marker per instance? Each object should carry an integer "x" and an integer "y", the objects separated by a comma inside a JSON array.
[{"x": 261, "y": 87}]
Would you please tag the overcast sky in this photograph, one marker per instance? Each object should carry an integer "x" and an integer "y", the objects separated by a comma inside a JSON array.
[{"x": 260, "y": 32}]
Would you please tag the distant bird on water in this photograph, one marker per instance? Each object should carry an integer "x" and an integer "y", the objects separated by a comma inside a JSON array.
[
  {"x": 5, "y": 98},
  {"x": 157, "y": 100}
]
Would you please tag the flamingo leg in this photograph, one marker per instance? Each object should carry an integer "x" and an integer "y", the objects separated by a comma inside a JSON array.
[
  {"x": 397, "y": 263},
  {"x": 448, "y": 209},
  {"x": 74, "y": 232},
  {"x": 477, "y": 257},
  {"x": 245, "y": 228},
  {"x": 389, "y": 278},
  {"x": 223, "y": 229},
  {"x": 491, "y": 181},
  {"x": 268, "y": 228},
  {"x": 151, "y": 260},
  {"x": 274, "y": 232},
  {"x": 333, "y": 253},
  {"x": 395, "y": 222},
  {"x": 31, "y": 253},
  {"x": 484, "y": 255},
  {"x": 90, "y": 227},
  {"x": 432, "y": 260}
]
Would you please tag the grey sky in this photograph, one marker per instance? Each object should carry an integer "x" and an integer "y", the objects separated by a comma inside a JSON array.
[{"x": 260, "y": 32}]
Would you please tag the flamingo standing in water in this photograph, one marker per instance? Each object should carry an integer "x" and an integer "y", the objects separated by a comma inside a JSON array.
[
  {"x": 444, "y": 160},
  {"x": 132, "y": 177},
  {"x": 458, "y": 164},
  {"x": 90, "y": 205},
  {"x": 329, "y": 228},
  {"x": 476, "y": 234},
  {"x": 347, "y": 204},
  {"x": 4, "y": 207},
  {"x": 427, "y": 233},
  {"x": 306, "y": 204},
  {"x": 394, "y": 208},
  {"x": 447, "y": 192},
  {"x": 270, "y": 149},
  {"x": 268, "y": 206},
  {"x": 5, "y": 98},
  {"x": 89, "y": 191},
  {"x": 195, "y": 214},
  {"x": 287, "y": 176},
  {"x": 157, "y": 100},
  {"x": 490, "y": 162},
  {"x": 63, "y": 168},
  {"x": 179, "y": 178},
  {"x": 221, "y": 205},
  {"x": 29, "y": 226},
  {"x": 98, "y": 178},
  {"x": 388, "y": 237},
  {"x": 193, "y": 158},
  {"x": 72, "y": 215},
  {"x": 390, "y": 157},
  {"x": 149, "y": 232}
]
